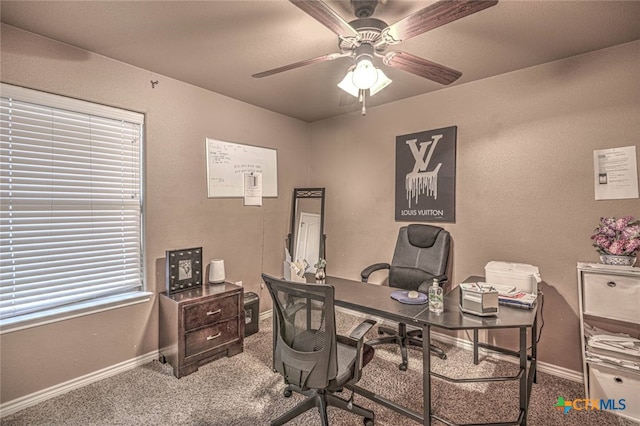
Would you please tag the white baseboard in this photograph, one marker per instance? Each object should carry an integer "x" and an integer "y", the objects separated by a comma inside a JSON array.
[
  {"x": 26, "y": 401},
  {"x": 265, "y": 315},
  {"x": 18, "y": 404}
]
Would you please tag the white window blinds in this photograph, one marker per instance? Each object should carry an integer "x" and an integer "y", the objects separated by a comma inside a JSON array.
[{"x": 71, "y": 203}]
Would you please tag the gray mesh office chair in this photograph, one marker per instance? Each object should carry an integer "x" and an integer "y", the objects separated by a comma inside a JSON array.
[
  {"x": 421, "y": 254},
  {"x": 311, "y": 357}
]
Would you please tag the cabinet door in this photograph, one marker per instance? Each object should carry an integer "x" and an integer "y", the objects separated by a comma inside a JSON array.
[{"x": 619, "y": 386}]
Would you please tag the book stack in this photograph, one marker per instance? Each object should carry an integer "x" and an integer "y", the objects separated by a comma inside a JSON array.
[{"x": 518, "y": 299}]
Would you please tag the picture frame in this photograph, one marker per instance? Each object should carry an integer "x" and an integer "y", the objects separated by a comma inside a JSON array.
[
  {"x": 184, "y": 269},
  {"x": 425, "y": 187}
]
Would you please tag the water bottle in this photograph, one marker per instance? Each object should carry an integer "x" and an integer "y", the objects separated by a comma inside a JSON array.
[{"x": 436, "y": 298}]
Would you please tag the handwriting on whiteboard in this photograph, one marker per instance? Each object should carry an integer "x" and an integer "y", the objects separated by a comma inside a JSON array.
[{"x": 227, "y": 162}]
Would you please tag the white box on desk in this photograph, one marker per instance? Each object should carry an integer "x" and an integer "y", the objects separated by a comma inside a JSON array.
[
  {"x": 524, "y": 277},
  {"x": 478, "y": 300}
]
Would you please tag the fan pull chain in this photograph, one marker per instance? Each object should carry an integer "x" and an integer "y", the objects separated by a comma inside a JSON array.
[{"x": 363, "y": 99}]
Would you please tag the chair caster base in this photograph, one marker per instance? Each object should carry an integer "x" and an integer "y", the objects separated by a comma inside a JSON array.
[
  {"x": 442, "y": 356},
  {"x": 287, "y": 393},
  {"x": 368, "y": 422},
  {"x": 402, "y": 367}
]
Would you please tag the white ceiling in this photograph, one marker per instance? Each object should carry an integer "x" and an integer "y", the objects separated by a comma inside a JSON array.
[{"x": 218, "y": 45}]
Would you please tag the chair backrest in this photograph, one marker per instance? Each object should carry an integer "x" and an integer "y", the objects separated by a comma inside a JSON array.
[
  {"x": 422, "y": 253},
  {"x": 305, "y": 347}
]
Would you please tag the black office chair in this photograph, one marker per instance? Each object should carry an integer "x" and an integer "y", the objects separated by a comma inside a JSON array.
[
  {"x": 311, "y": 357},
  {"x": 421, "y": 254}
]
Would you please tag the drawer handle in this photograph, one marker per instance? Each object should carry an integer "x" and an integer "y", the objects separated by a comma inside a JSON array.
[
  {"x": 611, "y": 284},
  {"x": 618, "y": 379},
  {"x": 214, "y": 337},
  {"x": 214, "y": 312}
]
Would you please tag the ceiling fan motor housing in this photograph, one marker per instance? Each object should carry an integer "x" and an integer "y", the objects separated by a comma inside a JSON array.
[
  {"x": 369, "y": 31},
  {"x": 364, "y": 51}
]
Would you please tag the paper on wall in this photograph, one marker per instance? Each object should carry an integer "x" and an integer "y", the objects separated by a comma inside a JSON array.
[
  {"x": 253, "y": 189},
  {"x": 615, "y": 173}
]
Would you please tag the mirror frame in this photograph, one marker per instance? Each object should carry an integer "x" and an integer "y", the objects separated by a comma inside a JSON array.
[{"x": 305, "y": 193}]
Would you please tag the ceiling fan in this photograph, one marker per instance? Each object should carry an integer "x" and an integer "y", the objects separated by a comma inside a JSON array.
[{"x": 365, "y": 38}]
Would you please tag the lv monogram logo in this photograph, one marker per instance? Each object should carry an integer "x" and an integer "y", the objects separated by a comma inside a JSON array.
[
  {"x": 422, "y": 161},
  {"x": 419, "y": 180}
]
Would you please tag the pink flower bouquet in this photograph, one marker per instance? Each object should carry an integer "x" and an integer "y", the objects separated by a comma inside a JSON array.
[{"x": 618, "y": 237}]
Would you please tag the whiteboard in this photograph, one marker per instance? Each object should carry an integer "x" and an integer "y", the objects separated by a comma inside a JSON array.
[{"x": 227, "y": 162}]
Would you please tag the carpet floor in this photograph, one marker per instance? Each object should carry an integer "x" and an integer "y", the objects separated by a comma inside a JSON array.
[{"x": 243, "y": 390}]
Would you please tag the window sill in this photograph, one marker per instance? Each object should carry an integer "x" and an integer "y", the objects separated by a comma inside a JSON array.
[{"x": 22, "y": 322}]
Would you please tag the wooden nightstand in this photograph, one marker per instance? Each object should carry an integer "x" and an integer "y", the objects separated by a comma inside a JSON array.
[{"x": 200, "y": 325}]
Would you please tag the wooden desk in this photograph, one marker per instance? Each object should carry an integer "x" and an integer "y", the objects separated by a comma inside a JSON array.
[{"x": 376, "y": 300}]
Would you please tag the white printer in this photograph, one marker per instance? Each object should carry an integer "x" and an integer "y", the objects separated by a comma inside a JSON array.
[{"x": 524, "y": 277}]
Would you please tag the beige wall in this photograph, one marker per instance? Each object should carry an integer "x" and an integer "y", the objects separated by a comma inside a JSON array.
[
  {"x": 524, "y": 186},
  {"x": 178, "y": 213},
  {"x": 524, "y": 190}
]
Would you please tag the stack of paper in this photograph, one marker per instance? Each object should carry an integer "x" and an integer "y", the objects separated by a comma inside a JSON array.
[
  {"x": 605, "y": 347},
  {"x": 518, "y": 299}
]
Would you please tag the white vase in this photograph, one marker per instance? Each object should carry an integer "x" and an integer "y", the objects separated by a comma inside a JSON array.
[{"x": 610, "y": 259}]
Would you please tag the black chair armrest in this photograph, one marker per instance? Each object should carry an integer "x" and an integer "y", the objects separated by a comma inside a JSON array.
[
  {"x": 357, "y": 336},
  {"x": 371, "y": 269},
  {"x": 362, "y": 329}
]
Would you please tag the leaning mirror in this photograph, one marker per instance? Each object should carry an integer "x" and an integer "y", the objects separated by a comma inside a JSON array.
[{"x": 306, "y": 238}]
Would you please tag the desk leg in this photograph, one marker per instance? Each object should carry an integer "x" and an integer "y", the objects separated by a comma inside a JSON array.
[
  {"x": 475, "y": 346},
  {"x": 534, "y": 348},
  {"x": 524, "y": 398},
  {"x": 426, "y": 374}
]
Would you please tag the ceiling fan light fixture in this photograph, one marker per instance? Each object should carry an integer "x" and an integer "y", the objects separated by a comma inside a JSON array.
[
  {"x": 365, "y": 75},
  {"x": 347, "y": 85},
  {"x": 382, "y": 82}
]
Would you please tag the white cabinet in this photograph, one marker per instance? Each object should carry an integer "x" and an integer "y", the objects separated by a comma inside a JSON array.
[{"x": 609, "y": 301}]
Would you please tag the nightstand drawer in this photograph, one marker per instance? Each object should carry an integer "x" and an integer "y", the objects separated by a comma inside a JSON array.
[
  {"x": 211, "y": 337},
  {"x": 209, "y": 312},
  {"x": 612, "y": 296}
]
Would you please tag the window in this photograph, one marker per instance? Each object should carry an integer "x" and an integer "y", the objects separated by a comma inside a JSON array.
[{"x": 71, "y": 206}]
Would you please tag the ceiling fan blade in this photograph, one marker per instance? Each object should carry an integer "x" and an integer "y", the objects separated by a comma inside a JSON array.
[
  {"x": 329, "y": 57},
  {"x": 421, "y": 67},
  {"x": 322, "y": 13},
  {"x": 432, "y": 16}
]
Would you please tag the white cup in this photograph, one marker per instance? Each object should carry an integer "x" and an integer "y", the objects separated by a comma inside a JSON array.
[{"x": 216, "y": 271}]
